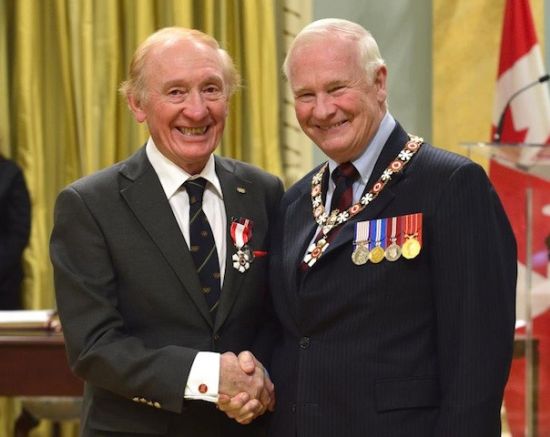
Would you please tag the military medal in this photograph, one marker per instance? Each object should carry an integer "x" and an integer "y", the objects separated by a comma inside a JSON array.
[
  {"x": 360, "y": 254},
  {"x": 411, "y": 248},
  {"x": 327, "y": 221},
  {"x": 413, "y": 236},
  {"x": 241, "y": 233},
  {"x": 393, "y": 251},
  {"x": 377, "y": 252}
]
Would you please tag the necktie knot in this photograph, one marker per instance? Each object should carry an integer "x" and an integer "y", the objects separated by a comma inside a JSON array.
[
  {"x": 195, "y": 189},
  {"x": 345, "y": 172}
]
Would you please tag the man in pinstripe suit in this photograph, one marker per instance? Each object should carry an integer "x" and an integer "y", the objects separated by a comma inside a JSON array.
[{"x": 397, "y": 309}]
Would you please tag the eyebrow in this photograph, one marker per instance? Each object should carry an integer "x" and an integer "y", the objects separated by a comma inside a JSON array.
[
  {"x": 336, "y": 83},
  {"x": 182, "y": 82},
  {"x": 332, "y": 84}
]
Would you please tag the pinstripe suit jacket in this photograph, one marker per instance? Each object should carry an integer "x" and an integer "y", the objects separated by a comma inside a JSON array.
[
  {"x": 130, "y": 303},
  {"x": 412, "y": 348}
]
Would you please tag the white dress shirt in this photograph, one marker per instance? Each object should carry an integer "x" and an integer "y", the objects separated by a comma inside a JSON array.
[{"x": 203, "y": 380}]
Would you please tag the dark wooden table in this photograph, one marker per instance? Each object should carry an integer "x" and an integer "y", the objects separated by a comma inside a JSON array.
[{"x": 33, "y": 363}]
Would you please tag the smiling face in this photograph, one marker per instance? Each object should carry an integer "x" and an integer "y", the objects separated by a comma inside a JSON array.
[
  {"x": 335, "y": 104},
  {"x": 186, "y": 101}
]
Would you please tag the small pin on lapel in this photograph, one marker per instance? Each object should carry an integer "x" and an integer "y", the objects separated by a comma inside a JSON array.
[{"x": 241, "y": 190}]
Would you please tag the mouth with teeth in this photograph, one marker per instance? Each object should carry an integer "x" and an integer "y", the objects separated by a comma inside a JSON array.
[
  {"x": 332, "y": 126},
  {"x": 193, "y": 131}
]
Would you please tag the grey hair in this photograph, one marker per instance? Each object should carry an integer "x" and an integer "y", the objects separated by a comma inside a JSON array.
[{"x": 369, "y": 53}]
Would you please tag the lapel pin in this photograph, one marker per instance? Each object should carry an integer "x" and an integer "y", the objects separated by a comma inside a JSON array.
[{"x": 241, "y": 190}]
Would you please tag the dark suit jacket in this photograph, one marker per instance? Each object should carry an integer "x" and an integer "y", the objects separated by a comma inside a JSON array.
[
  {"x": 130, "y": 303},
  {"x": 415, "y": 348},
  {"x": 15, "y": 226}
]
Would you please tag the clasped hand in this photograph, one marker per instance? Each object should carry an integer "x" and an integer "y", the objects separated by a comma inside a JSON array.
[{"x": 246, "y": 391}]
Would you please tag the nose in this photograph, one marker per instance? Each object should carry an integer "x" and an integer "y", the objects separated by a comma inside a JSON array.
[
  {"x": 323, "y": 108},
  {"x": 195, "y": 107}
]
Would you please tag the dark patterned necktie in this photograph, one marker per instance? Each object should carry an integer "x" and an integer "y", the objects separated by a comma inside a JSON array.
[
  {"x": 202, "y": 244},
  {"x": 343, "y": 176}
]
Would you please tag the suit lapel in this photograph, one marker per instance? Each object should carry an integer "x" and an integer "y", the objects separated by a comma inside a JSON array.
[
  {"x": 143, "y": 193},
  {"x": 236, "y": 200},
  {"x": 300, "y": 227}
]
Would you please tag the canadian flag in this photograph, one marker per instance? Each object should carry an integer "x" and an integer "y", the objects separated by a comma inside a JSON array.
[{"x": 526, "y": 120}]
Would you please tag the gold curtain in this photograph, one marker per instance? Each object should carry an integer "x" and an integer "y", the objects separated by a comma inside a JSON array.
[{"x": 61, "y": 62}]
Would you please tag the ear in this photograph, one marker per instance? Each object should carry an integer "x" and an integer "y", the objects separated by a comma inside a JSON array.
[
  {"x": 136, "y": 106},
  {"x": 380, "y": 83}
]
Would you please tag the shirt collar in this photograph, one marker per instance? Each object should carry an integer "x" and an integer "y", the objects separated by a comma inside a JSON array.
[
  {"x": 172, "y": 177},
  {"x": 366, "y": 161}
]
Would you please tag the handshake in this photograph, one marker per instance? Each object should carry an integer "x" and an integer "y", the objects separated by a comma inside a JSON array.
[{"x": 245, "y": 390}]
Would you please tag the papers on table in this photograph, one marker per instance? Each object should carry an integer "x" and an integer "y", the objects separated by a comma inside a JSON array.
[{"x": 29, "y": 319}]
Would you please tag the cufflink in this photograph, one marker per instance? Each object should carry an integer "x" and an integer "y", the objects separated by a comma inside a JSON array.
[{"x": 203, "y": 388}]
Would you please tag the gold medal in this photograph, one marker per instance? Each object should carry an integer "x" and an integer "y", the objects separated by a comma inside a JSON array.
[
  {"x": 360, "y": 255},
  {"x": 413, "y": 236},
  {"x": 376, "y": 254},
  {"x": 393, "y": 252},
  {"x": 411, "y": 248}
]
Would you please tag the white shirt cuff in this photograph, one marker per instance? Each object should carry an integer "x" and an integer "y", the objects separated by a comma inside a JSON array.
[{"x": 204, "y": 377}]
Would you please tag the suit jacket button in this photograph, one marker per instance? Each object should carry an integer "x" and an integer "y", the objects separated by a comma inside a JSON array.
[
  {"x": 304, "y": 342},
  {"x": 293, "y": 408},
  {"x": 216, "y": 337}
]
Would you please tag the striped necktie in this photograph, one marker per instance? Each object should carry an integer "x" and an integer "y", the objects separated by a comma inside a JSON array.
[{"x": 202, "y": 244}]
